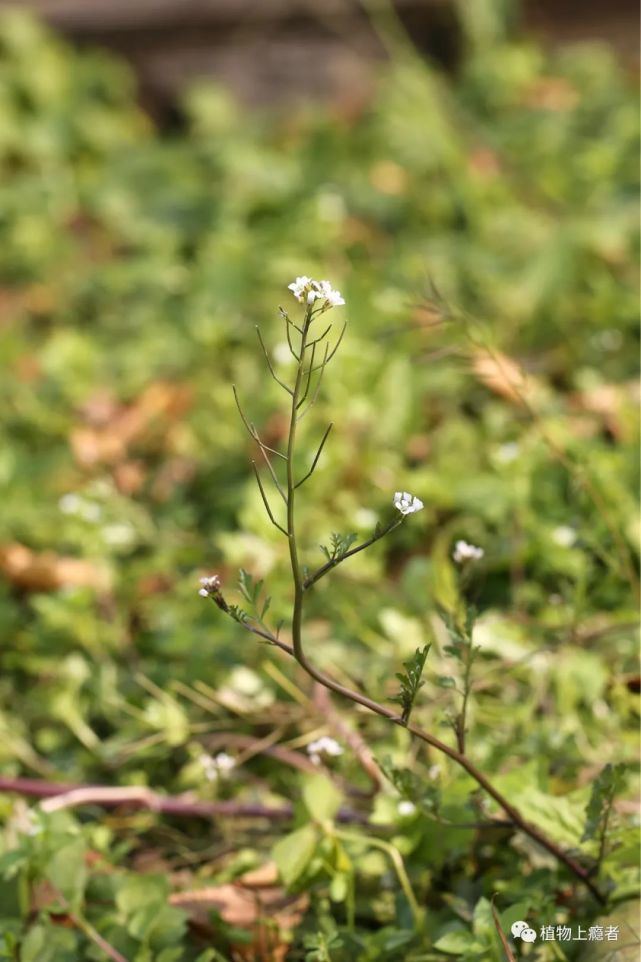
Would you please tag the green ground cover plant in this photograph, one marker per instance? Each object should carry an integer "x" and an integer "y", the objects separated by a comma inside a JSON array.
[{"x": 174, "y": 788}]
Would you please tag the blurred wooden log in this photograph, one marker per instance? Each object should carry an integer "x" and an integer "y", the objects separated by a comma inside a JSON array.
[{"x": 282, "y": 50}]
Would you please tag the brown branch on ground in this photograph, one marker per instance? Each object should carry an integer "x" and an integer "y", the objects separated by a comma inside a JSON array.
[{"x": 58, "y": 795}]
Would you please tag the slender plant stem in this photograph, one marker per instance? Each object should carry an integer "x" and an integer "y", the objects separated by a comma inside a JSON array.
[
  {"x": 301, "y": 585},
  {"x": 94, "y": 936},
  {"x": 461, "y": 721},
  {"x": 317, "y": 575},
  {"x": 399, "y": 867}
]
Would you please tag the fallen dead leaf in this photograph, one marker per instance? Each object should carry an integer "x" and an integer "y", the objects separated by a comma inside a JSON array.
[
  {"x": 129, "y": 477},
  {"x": 159, "y": 405},
  {"x": 552, "y": 93},
  {"x": 388, "y": 178},
  {"x": 504, "y": 376},
  {"x": 484, "y": 163},
  {"x": 173, "y": 473},
  {"x": 48, "y": 571},
  {"x": 255, "y": 903},
  {"x": 611, "y": 403}
]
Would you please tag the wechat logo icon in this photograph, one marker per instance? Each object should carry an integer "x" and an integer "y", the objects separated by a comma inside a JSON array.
[{"x": 522, "y": 931}]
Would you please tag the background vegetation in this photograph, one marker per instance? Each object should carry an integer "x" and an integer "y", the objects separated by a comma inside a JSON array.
[{"x": 483, "y": 230}]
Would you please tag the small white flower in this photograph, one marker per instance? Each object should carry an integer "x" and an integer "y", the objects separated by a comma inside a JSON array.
[
  {"x": 209, "y": 586},
  {"x": 299, "y": 286},
  {"x": 224, "y": 762},
  {"x": 308, "y": 290},
  {"x": 75, "y": 504},
  {"x": 508, "y": 452},
  {"x": 405, "y": 503},
  {"x": 564, "y": 535},
  {"x": 218, "y": 767},
  {"x": 118, "y": 535},
  {"x": 406, "y": 808},
  {"x": 323, "y": 746},
  {"x": 466, "y": 552},
  {"x": 434, "y": 771},
  {"x": 329, "y": 295},
  {"x": 69, "y": 503}
]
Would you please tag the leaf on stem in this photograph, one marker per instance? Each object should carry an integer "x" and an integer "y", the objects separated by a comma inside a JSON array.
[
  {"x": 426, "y": 795},
  {"x": 411, "y": 681},
  {"x": 251, "y": 591},
  {"x": 339, "y": 545},
  {"x": 460, "y": 629},
  {"x": 608, "y": 783}
]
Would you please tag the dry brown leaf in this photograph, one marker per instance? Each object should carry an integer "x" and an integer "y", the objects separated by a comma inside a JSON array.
[
  {"x": 173, "y": 473},
  {"x": 36, "y": 299},
  {"x": 48, "y": 571},
  {"x": 611, "y": 402},
  {"x": 552, "y": 93},
  {"x": 160, "y": 404},
  {"x": 484, "y": 163},
  {"x": 255, "y": 903},
  {"x": 388, "y": 178},
  {"x": 28, "y": 368},
  {"x": 505, "y": 377},
  {"x": 129, "y": 477}
]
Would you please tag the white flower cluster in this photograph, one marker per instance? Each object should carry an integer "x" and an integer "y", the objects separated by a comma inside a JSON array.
[
  {"x": 466, "y": 552},
  {"x": 218, "y": 767},
  {"x": 406, "y": 504},
  {"x": 209, "y": 586},
  {"x": 323, "y": 746},
  {"x": 564, "y": 535},
  {"x": 81, "y": 507},
  {"x": 406, "y": 808},
  {"x": 305, "y": 289}
]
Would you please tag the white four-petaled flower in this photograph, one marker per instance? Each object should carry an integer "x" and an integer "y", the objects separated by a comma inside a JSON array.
[
  {"x": 308, "y": 290},
  {"x": 407, "y": 504},
  {"x": 217, "y": 767},
  {"x": 466, "y": 552},
  {"x": 209, "y": 586},
  {"x": 323, "y": 746},
  {"x": 299, "y": 286}
]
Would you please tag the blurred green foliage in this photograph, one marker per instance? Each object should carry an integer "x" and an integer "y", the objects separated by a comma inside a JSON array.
[{"x": 134, "y": 265}]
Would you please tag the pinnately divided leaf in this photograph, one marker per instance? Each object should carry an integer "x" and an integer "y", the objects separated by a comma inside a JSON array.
[
  {"x": 411, "y": 682},
  {"x": 340, "y": 545},
  {"x": 608, "y": 783}
]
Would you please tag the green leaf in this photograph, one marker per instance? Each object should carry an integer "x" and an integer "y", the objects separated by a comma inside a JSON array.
[
  {"x": 340, "y": 545},
  {"x": 339, "y": 887},
  {"x": 518, "y": 911},
  {"x": 458, "y": 942},
  {"x": 445, "y": 681},
  {"x": 67, "y": 871},
  {"x": 34, "y": 945},
  {"x": 293, "y": 853},
  {"x": 10, "y": 862},
  {"x": 608, "y": 783},
  {"x": 411, "y": 682},
  {"x": 138, "y": 892},
  {"x": 322, "y": 798},
  {"x": 426, "y": 795}
]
